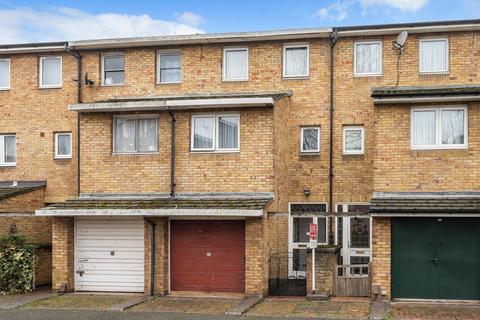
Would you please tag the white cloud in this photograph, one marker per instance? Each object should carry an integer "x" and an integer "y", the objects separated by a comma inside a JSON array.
[
  {"x": 405, "y": 5},
  {"x": 191, "y": 19},
  {"x": 61, "y": 23},
  {"x": 338, "y": 10}
]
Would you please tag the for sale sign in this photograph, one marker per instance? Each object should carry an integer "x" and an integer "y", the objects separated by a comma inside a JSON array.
[{"x": 313, "y": 231}]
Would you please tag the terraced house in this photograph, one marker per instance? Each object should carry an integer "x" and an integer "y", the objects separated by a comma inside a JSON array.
[{"x": 180, "y": 164}]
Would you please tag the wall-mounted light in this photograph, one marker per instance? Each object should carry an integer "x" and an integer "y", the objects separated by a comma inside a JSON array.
[{"x": 306, "y": 191}]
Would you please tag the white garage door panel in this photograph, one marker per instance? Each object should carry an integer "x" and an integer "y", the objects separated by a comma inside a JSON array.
[{"x": 109, "y": 255}]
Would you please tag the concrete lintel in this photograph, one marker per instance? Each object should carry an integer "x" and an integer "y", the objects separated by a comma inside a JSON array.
[
  {"x": 149, "y": 212},
  {"x": 425, "y": 99}
]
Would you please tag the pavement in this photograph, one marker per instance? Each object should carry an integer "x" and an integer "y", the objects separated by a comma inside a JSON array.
[
  {"x": 14, "y": 301},
  {"x": 424, "y": 311}
]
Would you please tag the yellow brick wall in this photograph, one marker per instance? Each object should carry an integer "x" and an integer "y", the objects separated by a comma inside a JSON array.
[
  {"x": 381, "y": 255},
  {"x": 63, "y": 267},
  {"x": 22, "y": 203}
]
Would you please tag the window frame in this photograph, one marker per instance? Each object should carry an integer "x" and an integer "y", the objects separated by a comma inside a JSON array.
[
  {"x": 135, "y": 117},
  {"x": 367, "y": 74},
  {"x": 284, "y": 63},
  {"x": 438, "y": 128},
  {"x": 50, "y": 86},
  {"x": 447, "y": 55},
  {"x": 63, "y": 156},
  {"x": 302, "y": 129},
  {"x": 169, "y": 52},
  {"x": 9, "y": 74},
  {"x": 2, "y": 150},
  {"x": 215, "y": 148},
  {"x": 224, "y": 60},
  {"x": 293, "y": 215},
  {"x": 353, "y": 127},
  {"x": 105, "y": 55}
]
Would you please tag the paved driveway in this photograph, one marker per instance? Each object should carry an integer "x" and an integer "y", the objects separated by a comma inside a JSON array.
[{"x": 410, "y": 311}]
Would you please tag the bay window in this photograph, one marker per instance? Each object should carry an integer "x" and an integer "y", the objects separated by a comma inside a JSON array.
[
  {"x": 135, "y": 134},
  {"x": 220, "y": 132}
]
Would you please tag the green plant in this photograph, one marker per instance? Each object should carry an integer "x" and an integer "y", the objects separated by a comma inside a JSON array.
[{"x": 17, "y": 263}]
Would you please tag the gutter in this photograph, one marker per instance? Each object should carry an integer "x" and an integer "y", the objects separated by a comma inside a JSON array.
[
  {"x": 153, "y": 224},
  {"x": 172, "y": 154}
]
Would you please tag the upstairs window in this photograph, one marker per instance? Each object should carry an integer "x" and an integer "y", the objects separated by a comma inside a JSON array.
[
  {"x": 63, "y": 145},
  {"x": 353, "y": 140},
  {"x": 216, "y": 132},
  {"x": 135, "y": 134},
  {"x": 310, "y": 140},
  {"x": 433, "y": 55},
  {"x": 368, "y": 58},
  {"x": 4, "y": 74},
  {"x": 8, "y": 150},
  {"x": 113, "y": 69},
  {"x": 437, "y": 128},
  {"x": 169, "y": 67},
  {"x": 50, "y": 72},
  {"x": 235, "y": 64},
  {"x": 295, "y": 61}
]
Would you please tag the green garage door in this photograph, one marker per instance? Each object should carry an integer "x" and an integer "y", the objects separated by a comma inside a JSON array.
[{"x": 436, "y": 258}]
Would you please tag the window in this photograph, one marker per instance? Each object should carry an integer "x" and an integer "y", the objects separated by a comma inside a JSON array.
[
  {"x": 368, "y": 58},
  {"x": 4, "y": 74},
  {"x": 215, "y": 132},
  {"x": 135, "y": 135},
  {"x": 295, "y": 61},
  {"x": 8, "y": 150},
  {"x": 436, "y": 128},
  {"x": 50, "y": 72},
  {"x": 310, "y": 140},
  {"x": 113, "y": 69},
  {"x": 235, "y": 64},
  {"x": 169, "y": 67},
  {"x": 433, "y": 55},
  {"x": 353, "y": 140},
  {"x": 63, "y": 145}
]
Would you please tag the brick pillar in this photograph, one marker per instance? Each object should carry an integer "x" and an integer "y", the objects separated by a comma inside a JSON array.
[
  {"x": 256, "y": 262},
  {"x": 63, "y": 253},
  {"x": 325, "y": 263},
  {"x": 161, "y": 256},
  {"x": 381, "y": 257}
]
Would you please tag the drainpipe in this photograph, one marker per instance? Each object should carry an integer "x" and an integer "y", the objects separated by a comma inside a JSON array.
[
  {"x": 333, "y": 41},
  {"x": 153, "y": 224},
  {"x": 172, "y": 154}
]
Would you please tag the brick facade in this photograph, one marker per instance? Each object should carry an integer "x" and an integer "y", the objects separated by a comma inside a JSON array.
[
  {"x": 63, "y": 254},
  {"x": 381, "y": 253}
]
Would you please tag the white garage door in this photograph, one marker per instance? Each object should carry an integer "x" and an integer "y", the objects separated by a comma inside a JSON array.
[{"x": 109, "y": 255}]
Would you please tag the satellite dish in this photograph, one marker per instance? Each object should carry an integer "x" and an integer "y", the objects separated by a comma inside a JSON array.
[
  {"x": 399, "y": 43},
  {"x": 87, "y": 81}
]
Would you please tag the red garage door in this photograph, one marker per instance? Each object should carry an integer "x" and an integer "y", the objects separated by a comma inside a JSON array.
[{"x": 207, "y": 256}]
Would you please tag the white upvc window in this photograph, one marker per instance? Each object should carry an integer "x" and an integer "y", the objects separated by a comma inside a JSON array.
[
  {"x": 215, "y": 132},
  {"x": 368, "y": 58},
  {"x": 4, "y": 74},
  {"x": 113, "y": 69},
  {"x": 439, "y": 128},
  {"x": 434, "y": 55},
  {"x": 235, "y": 64},
  {"x": 296, "y": 62},
  {"x": 353, "y": 140},
  {"x": 63, "y": 145},
  {"x": 135, "y": 134},
  {"x": 50, "y": 72},
  {"x": 8, "y": 150},
  {"x": 169, "y": 66},
  {"x": 310, "y": 140}
]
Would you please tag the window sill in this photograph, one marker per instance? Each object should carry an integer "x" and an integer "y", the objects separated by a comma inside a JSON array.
[
  {"x": 12, "y": 165},
  {"x": 135, "y": 153},
  {"x": 311, "y": 153},
  {"x": 167, "y": 83},
  {"x": 434, "y": 73},
  {"x": 368, "y": 75},
  {"x": 4, "y": 89},
  {"x": 444, "y": 148},
  {"x": 62, "y": 158},
  {"x": 235, "y": 80},
  {"x": 49, "y": 87},
  {"x": 112, "y": 85},
  {"x": 214, "y": 151},
  {"x": 296, "y": 78}
]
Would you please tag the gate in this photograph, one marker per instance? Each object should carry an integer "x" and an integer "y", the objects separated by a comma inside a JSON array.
[
  {"x": 280, "y": 282},
  {"x": 353, "y": 280}
]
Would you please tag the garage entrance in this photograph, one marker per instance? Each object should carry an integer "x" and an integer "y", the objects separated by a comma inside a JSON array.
[
  {"x": 207, "y": 255},
  {"x": 436, "y": 258}
]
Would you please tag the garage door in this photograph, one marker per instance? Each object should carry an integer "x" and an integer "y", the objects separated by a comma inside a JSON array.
[
  {"x": 208, "y": 256},
  {"x": 109, "y": 255},
  {"x": 436, "y": 258}
]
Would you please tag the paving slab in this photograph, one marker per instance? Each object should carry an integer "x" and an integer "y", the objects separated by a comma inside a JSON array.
[
  {"x": 244, "y": 306},
  {"x": 17, "y": 300},
  {"x": 414, "y": 311},
  {"x": 188, "y": 305}
]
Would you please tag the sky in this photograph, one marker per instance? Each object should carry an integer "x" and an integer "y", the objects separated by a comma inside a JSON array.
[{"x": 23, "y": 21}]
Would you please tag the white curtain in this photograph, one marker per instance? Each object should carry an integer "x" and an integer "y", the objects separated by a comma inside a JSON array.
[
  {"x": 4, "y": 73},
  {"x": 296, "y": 61},
  {"x": 433, "y": 56},
  {"x": 51, "y": 71},
  {"x": 63, "y": 144},
  {"x": 10, "y": 149},
  {"x": 353, "y": 140},
  {"x": 228, "y": 132},
  {"x": 236, "y": 64},
  {"x": 368, "y": 58},
  {"x": 423, "y": 128},
  {"x": 203, "y": 128},
  {"x": 453, "y": 127},
  {"x": 147, "y": 135},
  {"x": 125, "y": 135},
  {"x": 310, "y": 140},
  {"x": 170, "y": 67}
]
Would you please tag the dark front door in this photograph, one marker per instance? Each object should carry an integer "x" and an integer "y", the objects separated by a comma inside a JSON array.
[{"x": 436, "y": 258}]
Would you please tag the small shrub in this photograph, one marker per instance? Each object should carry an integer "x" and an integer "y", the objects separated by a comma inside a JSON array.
[{"x": 17, "y": 263}]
